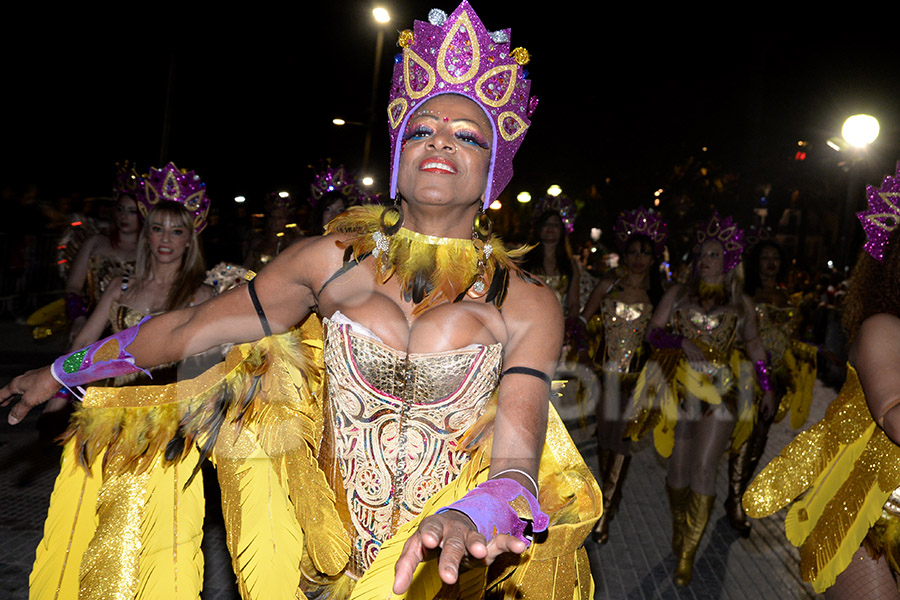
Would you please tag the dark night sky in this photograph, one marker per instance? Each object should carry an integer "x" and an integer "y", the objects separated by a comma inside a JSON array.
[{"x": 622, "y": 94}]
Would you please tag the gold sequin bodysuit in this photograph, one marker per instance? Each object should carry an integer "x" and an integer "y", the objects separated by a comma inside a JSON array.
[{"x": 396, "y": 419}]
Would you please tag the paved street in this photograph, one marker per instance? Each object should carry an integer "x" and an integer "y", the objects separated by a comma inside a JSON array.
[{"x": 635, "y": 564}]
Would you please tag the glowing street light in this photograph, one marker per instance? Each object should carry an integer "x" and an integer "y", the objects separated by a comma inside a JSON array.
[
  {"x": 554, "y": 190},
  {"x": 381, "y": 14},
  {"x": 339, "y": 122},
  {"x": 524, "y": 197},
  {"x": 367, "y": 180},
  {"x": 240, "y": 199},
  {"x": 860, "y": 130}
]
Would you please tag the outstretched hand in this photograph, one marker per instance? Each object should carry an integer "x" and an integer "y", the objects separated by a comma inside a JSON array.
[
  {"x": 453, "y": 535},
  {"x": 33, "y": 388}
]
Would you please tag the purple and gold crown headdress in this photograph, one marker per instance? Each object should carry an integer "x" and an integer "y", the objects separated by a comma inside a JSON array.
[
  {"x": 336, "y": 179},
  {"x": 641, "y": 221},
  {"x": 727, "y": 233},
  {"x": 458, "y": 55},
  {"x": 559, "y": 204},
  {"x": 757, "y": 234},
  {"x": 883, "y": 214},
  {"x": 128, "y": 181},
  {"x": 177, "y": 185}
]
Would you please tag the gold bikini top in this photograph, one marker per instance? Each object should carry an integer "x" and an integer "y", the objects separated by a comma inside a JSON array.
[
  {"x": 395, "y": 422},
  {"x": 717, "y": 330},
  {"x": 624, "y": 326}
]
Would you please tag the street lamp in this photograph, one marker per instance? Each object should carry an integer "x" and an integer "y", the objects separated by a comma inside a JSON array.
[{"x": 859, "y": 131}]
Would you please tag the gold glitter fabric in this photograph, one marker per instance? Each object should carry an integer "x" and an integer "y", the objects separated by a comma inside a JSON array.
[
  {"x": 793, "y": 366},
  {"x": 838, "y": 476},
  {"x": 667, "y": 380}
]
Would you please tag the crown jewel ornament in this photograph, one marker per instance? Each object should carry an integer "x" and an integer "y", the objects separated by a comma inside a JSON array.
[
  {"x": 177, "y": 185},
  {"x": 641, "y": 221},
  {"x": 560, "y": 204},
  {"x": 882, "y": 215},
  {"x": 456, "y": 54},
  {"x": 727, "y": 233},
  {"x": 336, "y": 179},
  {"x": 757, "y": 234},
  {"x": 128, "y": 181}
]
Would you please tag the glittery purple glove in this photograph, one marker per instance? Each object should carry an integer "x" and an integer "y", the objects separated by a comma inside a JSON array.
[
  {"x": 660, "y": 339},
  {"x": 762, "y": 376},
  {"x": 105, "y": 358},
  {"x": 502, "y": 506}
]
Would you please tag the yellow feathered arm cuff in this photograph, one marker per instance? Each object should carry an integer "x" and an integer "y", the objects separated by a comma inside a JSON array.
[{"x": 847, "y": 468}]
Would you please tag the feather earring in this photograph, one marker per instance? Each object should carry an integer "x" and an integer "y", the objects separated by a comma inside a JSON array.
[
  {"x": 390, "y": 223},
  {"x": 482, "y": 228}
]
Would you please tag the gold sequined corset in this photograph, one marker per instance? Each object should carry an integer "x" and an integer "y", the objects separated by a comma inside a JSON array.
[
  {"x": 101, "y": 270},
  {"x": 624, "y": 326},
  {"x": 776, "y": 326},
  {"x": 396, "y": 419},
  {"x": 715, "y": 332}
]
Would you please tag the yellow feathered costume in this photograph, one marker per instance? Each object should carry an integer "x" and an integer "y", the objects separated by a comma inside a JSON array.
[
  {"x": 845, "y": 468},
  {"x": 668, "y": 378},
  {"x": 126, "y": 513}
]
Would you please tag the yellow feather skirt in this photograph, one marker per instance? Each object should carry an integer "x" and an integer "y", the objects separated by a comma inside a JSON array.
[
  {"x": 126, "y": 514},
  {"x": 836, "y": 476},
  {"x": 667, "y": 379}
]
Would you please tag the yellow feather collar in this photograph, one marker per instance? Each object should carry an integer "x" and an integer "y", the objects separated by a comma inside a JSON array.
[{"x": 430, "y": 269}]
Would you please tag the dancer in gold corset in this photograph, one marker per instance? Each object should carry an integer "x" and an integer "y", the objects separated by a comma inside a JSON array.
[{"x": 616, "y": 316}]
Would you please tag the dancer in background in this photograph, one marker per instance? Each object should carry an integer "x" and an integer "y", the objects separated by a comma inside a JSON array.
[
  {"x": 696, "y": 392},
  {"x": 792, "y": 363},
  {"x": 551, "y": 258},
  {"x": 616, "y": 317},
  {"x": 103, "y": 257}
]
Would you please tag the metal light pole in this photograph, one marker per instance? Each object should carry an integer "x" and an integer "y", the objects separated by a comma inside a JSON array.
[
  {"x": 381, "y": 16},
  {"x": 859, "y": 131}
]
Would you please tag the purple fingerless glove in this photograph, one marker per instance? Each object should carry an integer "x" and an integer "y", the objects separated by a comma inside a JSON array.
[
  {"x": 659, "y": 338},
  {"x": 762, "y": 376},
  {"x": 502, "y": 506},
  {"x": 105, "y": 358}
]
